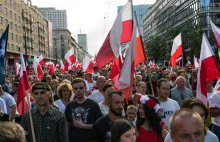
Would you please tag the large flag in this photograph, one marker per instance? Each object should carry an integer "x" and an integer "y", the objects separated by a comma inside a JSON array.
[
  {"x": 217, "y": 86},
  {"x": 127, "y": 72},
  {"x": 69, "y": 57},
  {"x": 22, "y": 104},
  {"x": 41, "y": 60},
  {"x": 196, "y": 63},
  {"x": 176, "y": 51},
  {"x": 216, "y": 32},
  {"x": 208, "y": 69},
  {"x": 178, "y": 60},
  {"x": 115, "y": 72},
  {"x": 119, "y": 33},
  {"x": 88, "y": 64},
  {"x": 18, "y": 68},
  {"x": 51, "y": 67},
  {"x": 37, "y": 68},
  {"x": 62, "y": 67},
  {"x": 3, "y": 49}
]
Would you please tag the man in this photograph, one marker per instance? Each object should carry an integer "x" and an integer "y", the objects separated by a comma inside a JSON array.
[
  {"x": 186, "y": 126},
  {"x": 10, "y": 103},
  {"x": 95, "y": 74},
  {"x": 167, "y": 106},
  {"x": 97, "y": 95},
  {"x": 180, "y": 92},
  {"x": 101, "y": 128},
  {"x": 91, "y": 83},
  {"x": 49, "y": 123},
  {"x": 81, "y": 113},
  {"x": 154, "y": 77},
  {"x": 48, "y": 79}
]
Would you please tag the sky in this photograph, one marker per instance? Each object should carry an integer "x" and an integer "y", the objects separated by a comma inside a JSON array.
[{"x": 92, "y": 17}]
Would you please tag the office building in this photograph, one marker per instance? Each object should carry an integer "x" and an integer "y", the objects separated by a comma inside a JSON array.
[{"x": 82, "y": 41}]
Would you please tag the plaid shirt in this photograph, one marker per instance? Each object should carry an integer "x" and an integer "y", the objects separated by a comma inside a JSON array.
[{"x": 50, "y": 127}]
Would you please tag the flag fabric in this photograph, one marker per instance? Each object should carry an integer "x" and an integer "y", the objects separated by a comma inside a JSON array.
[
  {"x": 196, "y": 63},
  {"x": 115, "y": 72},
  {"x": 216, "y": 32},
  {"x": 37, "y": 68},
  {"x": 208, "y": 70},
  {"x": 51, "y": 67},
  {"x": 178, "y": 60},
  {"x": 119, "y": 33},
  {"x": 176, "y": 51},
  {"x": 3, "y": 49},
  {"x": 217, "y": 86},
  {"x": 22, "y": 104},
  {"x": 127, "y": 72},
  {"x": 18, "y": 68},
  {"x": 88, "y": 64},
  {"x": 41, "y": 60},
  {"x": 69, "y": 57},
  {"x": 62, "y": 67}
]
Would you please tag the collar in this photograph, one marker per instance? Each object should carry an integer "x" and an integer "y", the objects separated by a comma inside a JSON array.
[{"x": 50, "y": 110}]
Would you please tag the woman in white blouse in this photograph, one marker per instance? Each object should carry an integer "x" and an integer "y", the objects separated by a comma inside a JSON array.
[{"x": 64, "y": 92}]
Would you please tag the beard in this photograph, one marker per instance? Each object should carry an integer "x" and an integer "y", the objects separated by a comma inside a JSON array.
[{"x": 117, "y": 112}]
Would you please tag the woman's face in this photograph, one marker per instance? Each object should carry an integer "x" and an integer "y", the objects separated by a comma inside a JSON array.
[
  {"x": 141, "y": 111},
  {"x": 128, "y": 136},
  {"x": 66, "y": 93},
  {"x": 200, "y": 111}
]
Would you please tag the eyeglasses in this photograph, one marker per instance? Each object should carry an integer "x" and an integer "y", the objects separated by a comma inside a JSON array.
[
  {"x": 39, "y": 93},
  {"x": 78, "y": 88}
]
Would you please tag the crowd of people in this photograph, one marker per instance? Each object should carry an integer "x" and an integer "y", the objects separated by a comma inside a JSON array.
[{"x": 76, "y": 106}]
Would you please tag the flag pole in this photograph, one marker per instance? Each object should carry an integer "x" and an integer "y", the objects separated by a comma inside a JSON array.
[
  {"x": 151, "y": 86},
  {"x": 30, "y": 116}
]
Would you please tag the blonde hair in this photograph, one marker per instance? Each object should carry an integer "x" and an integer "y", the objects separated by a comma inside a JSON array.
[
  {"x": 64, "y": 85},
  {"x": 132, "y": 107}
]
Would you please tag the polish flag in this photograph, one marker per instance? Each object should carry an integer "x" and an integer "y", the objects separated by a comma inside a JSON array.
[
  {"x": 176, "y": 50},
  {"x": 62, "y": 67},
  {"x": 69, "y": 57},
  {"x": 37, "y": 68},
  {"x": 51, "y": 67},
  {"x": 22, "y": 104},
  {"x": 127, "y": 72},
  {"x": 217, "y": 86},
  {"x": 216, "y": 32},
  {"x": 41, "y": 60},
  {"x": 178, "y": 60},
  {"x": 57, "y": 66},
  {"x": 208, "y": 70},
  {"x": 196, "y": 63},
  {"x": 88, "y": 64},
  {"x": 119, "y": 33},
  {"x": 18, "y": 68},
  {"x": 115, "y": 72},
  {"x": 140, "y": 52}
]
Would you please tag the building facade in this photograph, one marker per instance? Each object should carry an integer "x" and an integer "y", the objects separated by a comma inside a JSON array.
[
  {"x": 167, "y": 14},
  {"x": 82, "y": 41},
  {"x": 78, "y": 51},
  {"x": 57, "y": 17}
]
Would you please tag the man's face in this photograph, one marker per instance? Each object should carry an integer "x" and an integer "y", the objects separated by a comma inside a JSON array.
[
  {"x": 188, "y": 130},
  {"x": 180, "y": 83},
  {"x": 53, "y": 84},
  {"x": 116, "y": 104},
  {"x": 142, "y": 88},
  {"x": 164, "y": 90},
  {"x": 79, "y": 89},
  {"x": 100, "y": 83},
  {"x": 67, "y": 76},
  {"x": 48, "y": 79},
  {"x": 41, "y": 97}
]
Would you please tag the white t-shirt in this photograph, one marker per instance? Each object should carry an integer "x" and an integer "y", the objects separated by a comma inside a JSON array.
[
  {"x": 91, "y": 85},
  {"x": 96, "y": 96},
  {"x": 2, "y": 106},
  {"x": 167, "y": 109},
  {"x": 94, "y": 75},
  {"x": 9, "y": 101},
  {"x": 61, "y": 106},
  {"x": 104, "y": 109},
  {"x": 214, "y": 102}
]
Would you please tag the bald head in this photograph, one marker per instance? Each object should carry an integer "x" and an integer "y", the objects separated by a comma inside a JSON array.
[
  {"x": 180, "y": 82},
  {"x": 100, "y": 82}
]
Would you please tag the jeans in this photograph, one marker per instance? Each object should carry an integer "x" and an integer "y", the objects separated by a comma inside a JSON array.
[{"x": 216, "y": 131}]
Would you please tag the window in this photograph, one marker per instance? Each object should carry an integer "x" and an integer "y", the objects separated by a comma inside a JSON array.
[
  {"x": 6, "y": 22},
  {"x": 16, "y": 27},
  {"x": 15, "y": 6},
  {"x": 15, "y": 17},
  {"x": 8, "y": 46},
  {"x": 19, "y": 19},
  {"x": 12, "y": 36},
  {"x": 12, "y": 47},
  {"x": 1, "y": 21},
  {"x": 16, "y": 38},
  {"x": 6, "y": 11},
  {"x": 0, "y": 7},
  {"x": 10, "y": 14},
  {"x": 11, "y": 25}
]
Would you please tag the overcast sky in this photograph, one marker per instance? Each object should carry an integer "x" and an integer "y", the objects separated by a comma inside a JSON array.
[{"x": 88, "y": 15}]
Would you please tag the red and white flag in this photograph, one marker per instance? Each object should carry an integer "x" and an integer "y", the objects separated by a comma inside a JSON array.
[
  {"x": 178, "y": 60},
  {"x": 120, "y": 32},
  {"x": 22, "y": 104},
  {"x": 216, "y": 32},
  {"x": 18, "y": 68},
  {"x": 176, "y": 51},
  {"x": 115, "y": 72},
  {"x": 62, "y": 67},
  {"x": 37, "y": 68},
  {"x": 196, "y": 63},
  {"x": 41, "y": 60},
  {"x": 217, "y": 86},
  {"x": 51, "y": 67},
  {"x": 208, "y": 70},
  {"x": 88, "y": 64},
  {"x": 69, "y": 57},
  {"x": 127, "y": 72}
]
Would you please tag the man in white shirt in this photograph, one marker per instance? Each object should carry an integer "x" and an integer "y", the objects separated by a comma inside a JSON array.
[
  {"x": 167, "y": 106},
  {"x": 95, "y": 74},
  {"x": 97, "y": 95},
  {"x": 91, "y": 83}
]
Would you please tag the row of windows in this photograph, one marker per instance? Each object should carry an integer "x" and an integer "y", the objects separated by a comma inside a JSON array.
[
  {"x": 14, "y": 27},
  {"x": 13, "y": 4},
  {"x": 9, "y": 13}
]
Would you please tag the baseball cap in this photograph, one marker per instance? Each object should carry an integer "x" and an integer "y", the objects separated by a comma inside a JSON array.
[
  {"x": 154, "y": 74},
  {"x": 40, "y": 85}
]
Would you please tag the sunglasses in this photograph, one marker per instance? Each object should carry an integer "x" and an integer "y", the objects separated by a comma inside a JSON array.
[{"x": 78, "y": 88}]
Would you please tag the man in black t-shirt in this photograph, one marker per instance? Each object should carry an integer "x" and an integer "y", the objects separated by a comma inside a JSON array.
[
  {"x": 81, "y": 113},
  {"x": 101, "y": 128}
]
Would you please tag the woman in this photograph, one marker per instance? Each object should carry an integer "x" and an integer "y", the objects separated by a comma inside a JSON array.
[
  {"x": 199, "y": 107},
  {"x": 64, "y": 92},
  {"x": 123, "y": 131},
  {"x": 149, "y": 124}
]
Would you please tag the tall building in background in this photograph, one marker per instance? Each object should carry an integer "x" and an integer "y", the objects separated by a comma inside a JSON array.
[
  {"x": 57, "y": 17},
  {"x": 82, "y": 41},
  {"x": 141, "y": 11}
]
